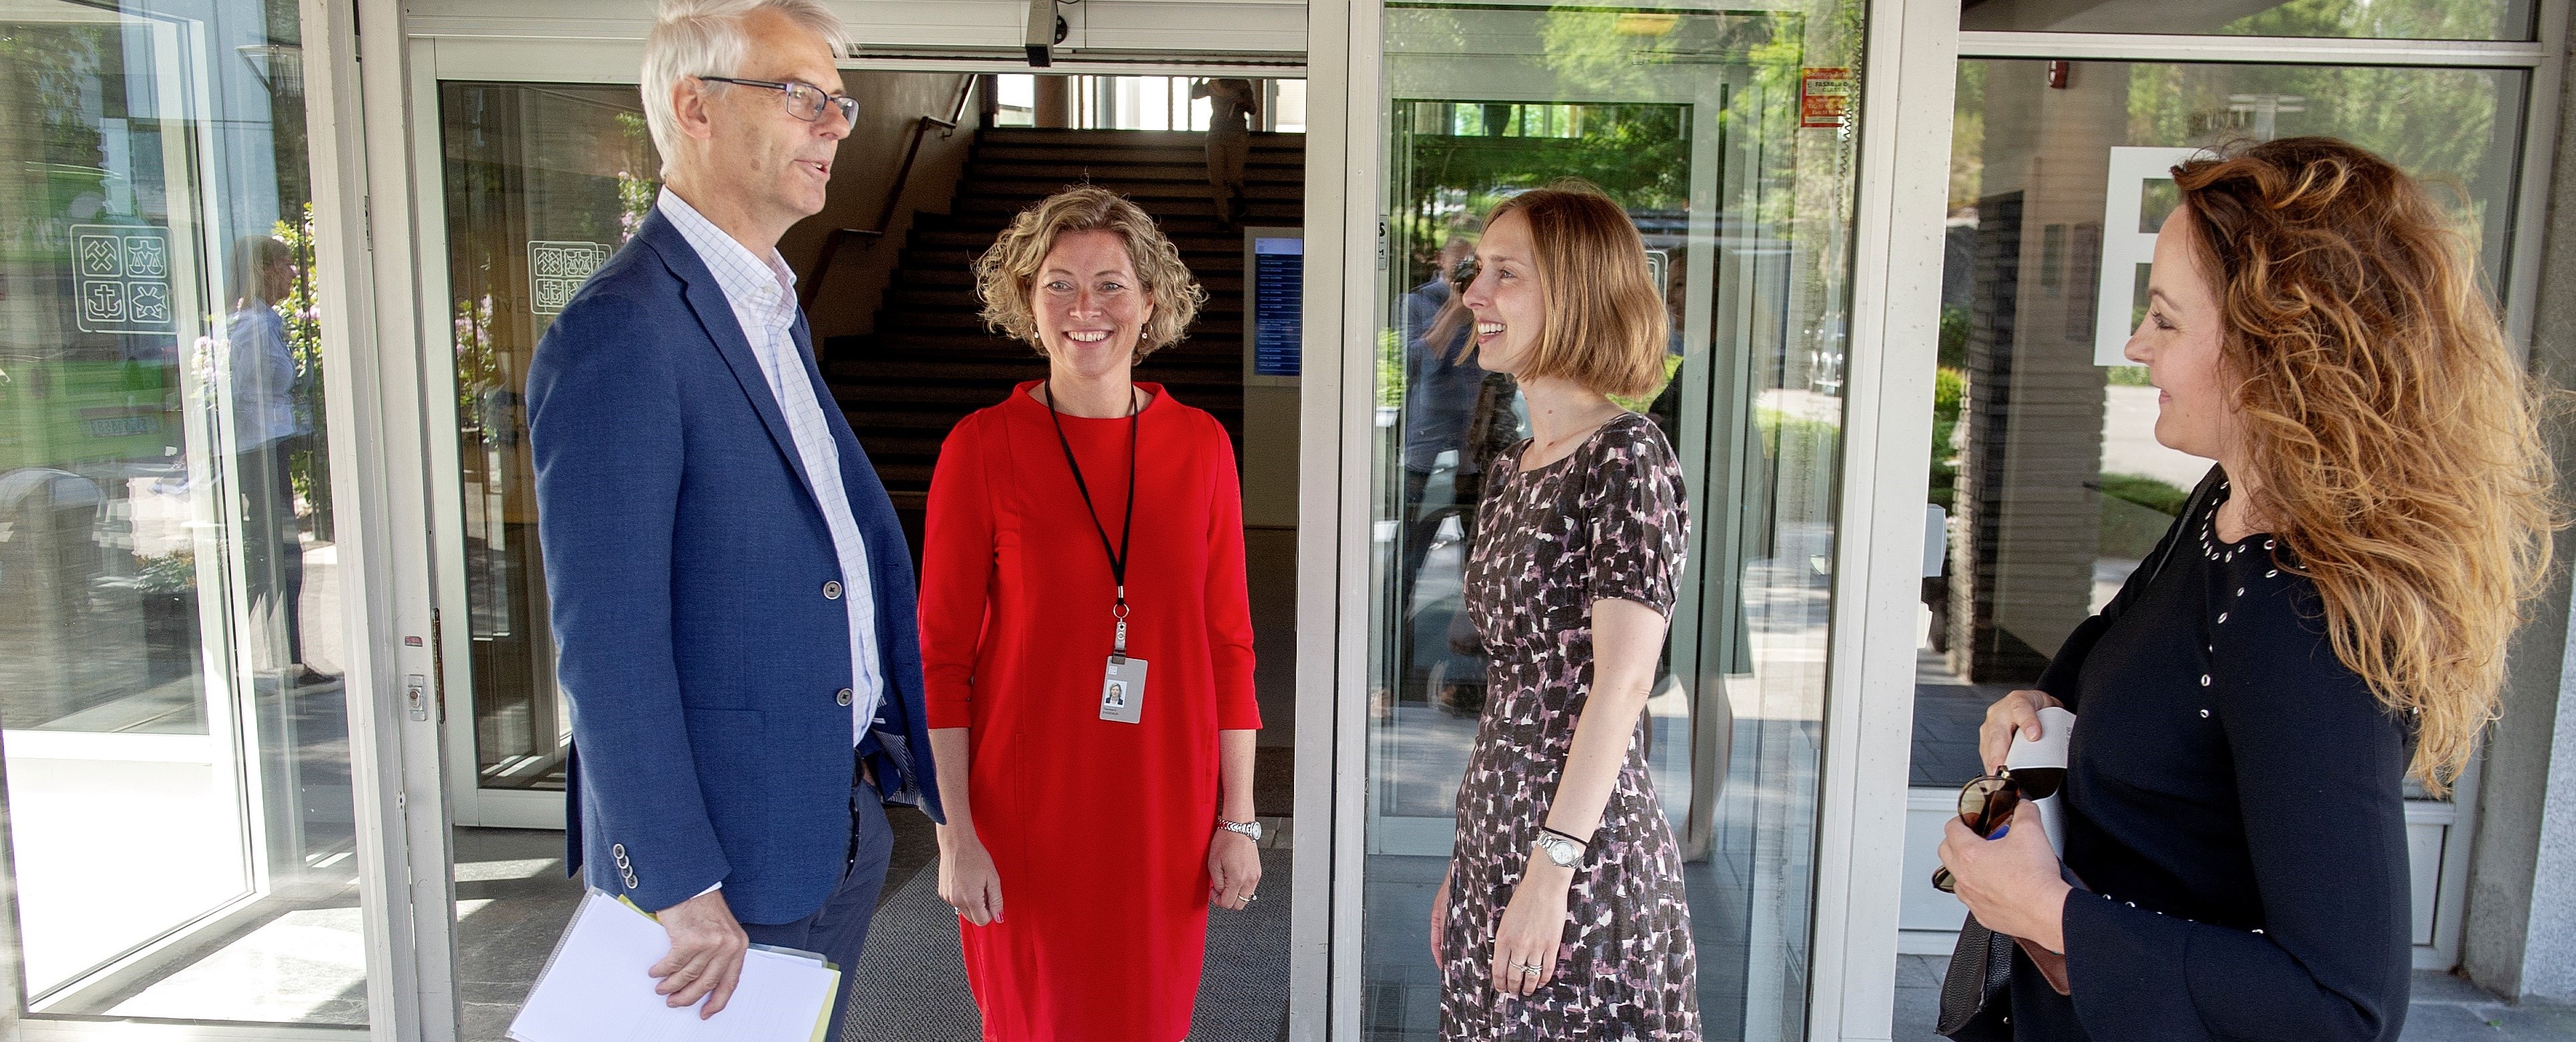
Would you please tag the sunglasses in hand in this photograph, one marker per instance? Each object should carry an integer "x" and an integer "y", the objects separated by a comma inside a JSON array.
[{"x": 1986, "y": 806}]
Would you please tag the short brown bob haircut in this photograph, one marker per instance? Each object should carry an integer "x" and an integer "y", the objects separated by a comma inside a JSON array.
[
  {"x": 1606, "y": 325},
  {"x": 1006, "y": 273}
]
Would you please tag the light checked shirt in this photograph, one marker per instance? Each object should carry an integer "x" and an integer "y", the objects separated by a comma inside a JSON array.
[{"x": 763, "y": 295}]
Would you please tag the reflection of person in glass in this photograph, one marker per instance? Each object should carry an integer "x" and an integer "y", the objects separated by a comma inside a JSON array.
[
  {"x": 1232, "y": 105},
  {"x": 730, "y": 588},
  {"x": 2327, "y": 617},
  {"x": 1562, "y": 914},
  {"x": 1081, "y": 501},
  {"x": 1441, "y": 383},
  {"x": 264, "y": 386}
]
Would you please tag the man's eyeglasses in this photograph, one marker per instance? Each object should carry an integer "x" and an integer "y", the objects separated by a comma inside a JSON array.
[{"x": 804, "y": 100}]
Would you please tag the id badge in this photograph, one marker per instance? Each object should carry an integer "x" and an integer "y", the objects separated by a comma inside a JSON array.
[{"x": 1122, "y": 692}]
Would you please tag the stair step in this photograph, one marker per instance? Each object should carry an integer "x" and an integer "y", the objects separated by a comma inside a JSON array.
[
  {"x": 885, "y": 375},
  {"x": 895, "y": 374},
  {"x": 895, "y": 323},
  {"x": 1225, "y": 403},
  {"x": 1195, "y": 248},
  {"x": 1258, "y": 164},
  {"x": 999, "y": 190},
  {"x": 1191, "y": 214},
  {"x": 852, "y": 394},
  {"x": 903, "y": 474},
  {"x": 923, "y": 299},
  {"x": 987, "y": 214},
  {"x": 1174, "y": 205},
  {"x": 874, "y": 422},
  {"x": 903, "y": 448},
  {"x": 1199, "y": 357},
  {"x": 1217, "y": 283},
  {"x": 932, "y": 342},
  {"x": 1052, "y": 137},
  {"x": 1121, "y": 170}
]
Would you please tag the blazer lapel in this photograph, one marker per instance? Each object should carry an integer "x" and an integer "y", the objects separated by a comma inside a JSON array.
[{"x": 715, "y": 314}]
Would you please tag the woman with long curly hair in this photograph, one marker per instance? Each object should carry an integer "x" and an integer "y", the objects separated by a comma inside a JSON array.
[{"x": 2329, "y": 617}]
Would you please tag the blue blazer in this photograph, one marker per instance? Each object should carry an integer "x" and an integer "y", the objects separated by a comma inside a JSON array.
[{"x": 685, "y": 560}]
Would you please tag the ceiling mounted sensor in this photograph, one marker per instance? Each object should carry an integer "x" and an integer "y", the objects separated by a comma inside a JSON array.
[{"x": 1045, "y": 30}]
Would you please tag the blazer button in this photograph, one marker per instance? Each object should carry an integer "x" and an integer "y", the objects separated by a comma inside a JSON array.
[
  {"x": 832, "y": 590},
  {"x": 844, "y": 697}
]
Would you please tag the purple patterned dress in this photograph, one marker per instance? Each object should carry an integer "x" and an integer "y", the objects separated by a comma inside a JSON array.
[{"x": 1608, "y": 522}]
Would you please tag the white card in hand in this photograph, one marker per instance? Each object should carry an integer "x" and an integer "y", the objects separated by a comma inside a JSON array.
[
  {"x": 2039, "y": 767},
  {"x": 2056, "y": 728}
]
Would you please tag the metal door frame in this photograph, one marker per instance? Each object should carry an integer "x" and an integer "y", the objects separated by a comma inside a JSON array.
[{"x": 428, "y": 463}]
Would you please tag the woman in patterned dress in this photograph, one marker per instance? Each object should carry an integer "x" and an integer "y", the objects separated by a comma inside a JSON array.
[{"x": 1562, "y": 914}]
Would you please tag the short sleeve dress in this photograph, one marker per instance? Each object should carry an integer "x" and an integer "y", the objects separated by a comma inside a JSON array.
[{"x": 1607, "y": 523}]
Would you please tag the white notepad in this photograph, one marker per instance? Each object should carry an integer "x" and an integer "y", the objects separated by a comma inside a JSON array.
[{"x": 597, "y": 987}]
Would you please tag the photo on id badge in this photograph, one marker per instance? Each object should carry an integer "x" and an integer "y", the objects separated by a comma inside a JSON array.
[{"x": 1122, "y": 692}]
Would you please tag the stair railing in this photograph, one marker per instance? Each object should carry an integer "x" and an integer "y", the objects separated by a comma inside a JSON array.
[{"x": 921, "y": 128}]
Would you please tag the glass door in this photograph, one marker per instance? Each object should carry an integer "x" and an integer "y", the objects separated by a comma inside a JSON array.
[
  {"x": 1728, "y": 140},
  {"x": 2045, "y": 456},
  {"x": 180, "y": 839},
  {"x": 542, "y": 183}
]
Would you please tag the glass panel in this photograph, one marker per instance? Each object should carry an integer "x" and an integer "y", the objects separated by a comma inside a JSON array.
[
  {"x": 2044, "y": 455},
  {"x": 543, "y": 183},
  {"x": 1726, "y": 138},
  {"x": 179, "y": 831},
  {"x": 2349, "y": 19}
]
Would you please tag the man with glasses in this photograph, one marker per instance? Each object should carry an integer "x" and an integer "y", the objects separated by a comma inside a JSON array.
[{"x": 731, "y": 592}]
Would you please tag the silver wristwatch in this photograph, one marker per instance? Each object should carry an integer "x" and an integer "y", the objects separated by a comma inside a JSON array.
[
  {"x": 1248, "y": 829},
  {"x": 1564, "y": 852}
]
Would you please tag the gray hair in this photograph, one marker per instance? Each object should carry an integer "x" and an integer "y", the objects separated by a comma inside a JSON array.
[{"x": 706, "y": 38}]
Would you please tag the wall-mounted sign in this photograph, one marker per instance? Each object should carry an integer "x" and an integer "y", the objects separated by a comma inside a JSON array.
[
  {"x": 556, "y": 270},
  {"x": 1274, "y": 331},
  {"x": 121, "y": 279},
  {"x": 1824, "y": 96},
  {"x": 2139, "y": 194}
]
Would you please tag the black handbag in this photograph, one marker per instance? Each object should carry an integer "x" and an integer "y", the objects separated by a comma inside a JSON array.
[
  {"x": 1972, "y": 1009},
  {"x": 1981, "y": 964}
]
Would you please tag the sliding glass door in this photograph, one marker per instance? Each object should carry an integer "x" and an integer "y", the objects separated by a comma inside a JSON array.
[
  {"x": 180, "y": 835},
  {"x": 1728, "y": 138}
]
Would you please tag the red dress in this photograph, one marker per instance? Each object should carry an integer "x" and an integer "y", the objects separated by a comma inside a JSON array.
[{"x": 1098, "y": 829}]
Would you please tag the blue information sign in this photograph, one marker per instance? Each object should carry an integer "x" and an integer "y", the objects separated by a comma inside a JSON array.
[{"x": 1276, "y": 330}]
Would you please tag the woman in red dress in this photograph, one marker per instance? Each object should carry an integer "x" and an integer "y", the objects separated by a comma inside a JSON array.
[{"x": 1096, "y": 807}]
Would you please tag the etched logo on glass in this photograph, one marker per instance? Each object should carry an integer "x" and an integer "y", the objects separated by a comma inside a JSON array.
[
  {"x": 556, "y": 270},
  {"x": 121, "y": 279}
]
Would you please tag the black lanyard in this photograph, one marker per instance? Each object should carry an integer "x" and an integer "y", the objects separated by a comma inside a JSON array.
[{"x": 1127, "y": 531}]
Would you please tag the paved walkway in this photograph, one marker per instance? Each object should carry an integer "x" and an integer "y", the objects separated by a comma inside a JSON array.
[{"x": 2445, "y": 1009}]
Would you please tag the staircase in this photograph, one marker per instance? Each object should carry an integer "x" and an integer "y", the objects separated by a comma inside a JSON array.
[{"x": 931, "y": 361}]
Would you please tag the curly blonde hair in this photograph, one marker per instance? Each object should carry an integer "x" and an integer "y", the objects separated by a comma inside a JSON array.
[
  {"x": 1005, "y": 273},
  {"x": 2395, "y": 438}
]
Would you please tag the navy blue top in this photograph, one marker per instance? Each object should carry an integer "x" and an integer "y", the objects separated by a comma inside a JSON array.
[
  {"x": 2234, "y": 810},
  {"x": 1442, "y": 381}
]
